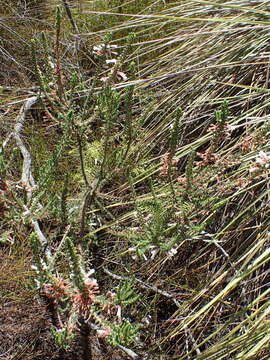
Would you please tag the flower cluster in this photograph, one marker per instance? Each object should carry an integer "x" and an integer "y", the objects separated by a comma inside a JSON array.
[
  {"x": 261, "y": 163},
  {"x": 263, "y": 160},
  {"x": 223, "y": 132},
  {"x": 83, "y": 300},
  {"x": 108, "y": 51},
  {"x": 208, "y": 157},
  {"x": 103, "y": 49},
  {"x": 167, "y": 163},
  {"x": 56, "y": 291}
]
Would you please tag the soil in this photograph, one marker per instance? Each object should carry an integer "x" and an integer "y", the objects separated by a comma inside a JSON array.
[{"x": 25, "y": 335}]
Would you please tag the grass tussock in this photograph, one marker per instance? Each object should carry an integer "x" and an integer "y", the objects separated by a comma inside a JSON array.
[{"x": 135, "y": 164}]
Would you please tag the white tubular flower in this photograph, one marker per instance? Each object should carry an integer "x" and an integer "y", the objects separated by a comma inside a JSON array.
[
  {"x": 102, "y": 333},
  {"x": 121, "y": 76},
  {"x": 263, "y": 159},
  {"x": 111, "y": 61},
  {"x": 172, "y": 252},
  {"x": 102, "y": 49}
]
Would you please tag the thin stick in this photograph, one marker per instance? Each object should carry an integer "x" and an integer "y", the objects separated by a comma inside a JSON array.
[
  {"x": 69, "y": 15},
  {"x": 144, "y": 286}
]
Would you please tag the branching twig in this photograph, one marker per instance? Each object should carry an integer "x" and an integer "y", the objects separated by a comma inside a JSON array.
[
  {"x": 144, "y": 286},
  {"x": 129, "y": 352},
  {"x": 87, "y": 201},
  {"x": 27, "y": 178}
]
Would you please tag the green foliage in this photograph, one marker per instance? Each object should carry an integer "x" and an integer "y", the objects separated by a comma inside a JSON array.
[
  {"x": 62, "y": 337},
  {"x": 108, "y": 106},
  {"x": 47, "y": 58},
  {"x": 63, "y": 205},
  {"x": 77, "y": 273},
  {"x": 128, "y": 125},
  {"x": 41, "y": 262},
  {"x": 2, "y": 162},
  {"x": 158, "y": 232},
  {"x": 189, "y": 169},
  {"x": 125, "y": 294},
  {"x": 175, "y": 133},
  {"x": 222, "y": 114},
  {"x": 124, "y": 334}
]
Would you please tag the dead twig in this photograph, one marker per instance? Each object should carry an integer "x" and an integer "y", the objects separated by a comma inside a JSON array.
[
  {"x": 70, "y": 17},
  {"x": 144, "y": 286},
  {"x": 27, "y": 178}
]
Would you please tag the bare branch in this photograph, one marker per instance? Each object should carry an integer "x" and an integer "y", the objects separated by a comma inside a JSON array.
[
  {"x": 144, "y": 286},
  {"x": 27, "y": 178}
]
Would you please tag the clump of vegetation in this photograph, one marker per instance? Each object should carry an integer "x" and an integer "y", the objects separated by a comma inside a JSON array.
[{"x": 135, "y": 167}]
